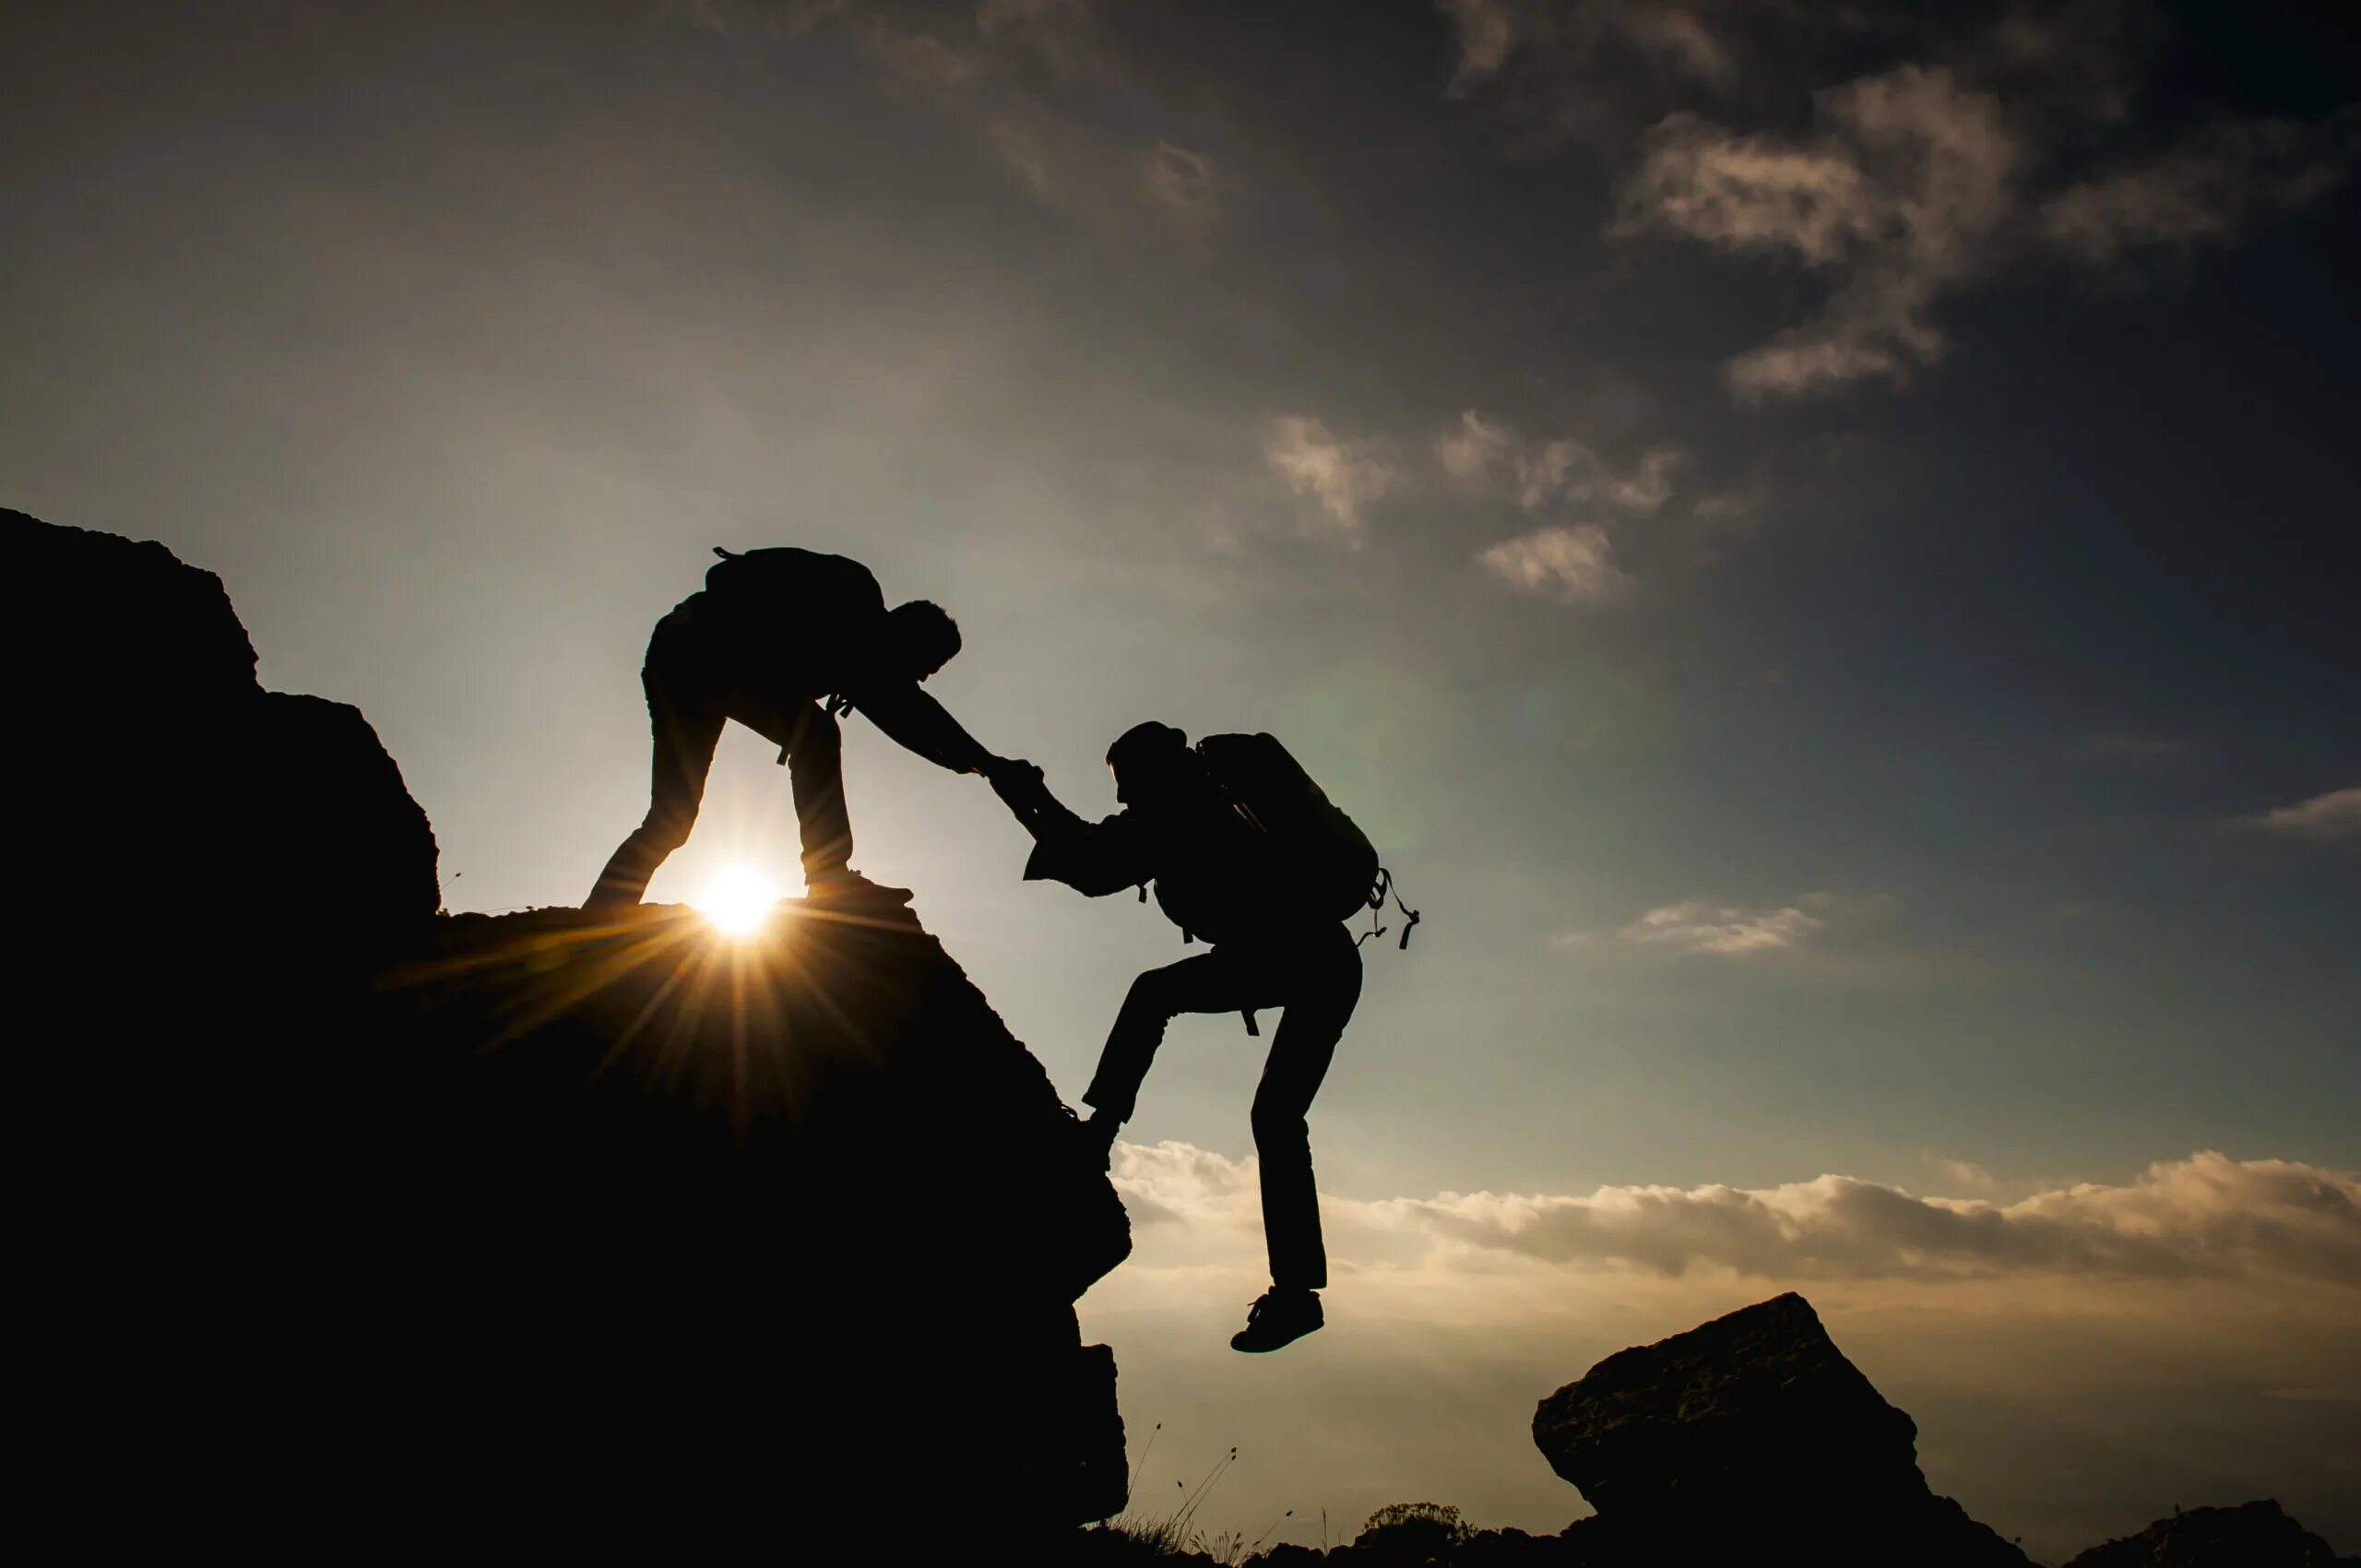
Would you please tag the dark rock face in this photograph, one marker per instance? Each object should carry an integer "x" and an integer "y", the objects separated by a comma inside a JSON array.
[
  {"x": 799, "y": 1202},
  {"x": 157, "y": 770},
  {"x": 1750, "y": 1426},
  {"x": 367, "y": 1224},
  {"x": 2253, "y": 1535}
]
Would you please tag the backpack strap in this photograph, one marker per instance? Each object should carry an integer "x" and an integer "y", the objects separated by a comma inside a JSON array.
[{"x": 1377, "y": 897}]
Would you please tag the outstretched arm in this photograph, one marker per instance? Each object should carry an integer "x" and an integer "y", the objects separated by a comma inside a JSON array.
[
  {"x": 1092, "y": 858},
  {"x": 918, "y": 723}
]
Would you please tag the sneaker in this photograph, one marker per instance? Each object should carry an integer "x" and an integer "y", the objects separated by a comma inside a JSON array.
[
  {"x": 848, "y": 886},
  {"x": 1279, "y": 1317}
]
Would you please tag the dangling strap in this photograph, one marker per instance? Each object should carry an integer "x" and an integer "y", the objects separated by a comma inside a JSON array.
[
  {"x": 1377, "y": 894},
  {"x": 1248, "y": 1014},
  {"x": 837, "y": 706}
]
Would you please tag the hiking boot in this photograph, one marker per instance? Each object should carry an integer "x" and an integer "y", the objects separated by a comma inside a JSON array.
[
  {"x": 1277, "y": 1317},
  {"x": 844, "y": 885}
]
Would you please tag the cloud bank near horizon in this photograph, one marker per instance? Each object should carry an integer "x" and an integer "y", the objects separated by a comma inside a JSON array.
[{"x": 2206, "y": 1216}]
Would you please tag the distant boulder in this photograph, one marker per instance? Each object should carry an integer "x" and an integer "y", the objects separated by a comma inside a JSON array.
[
  {"x": 2253, "y": 1535},
  {"x": 1750, "y": 1430}
]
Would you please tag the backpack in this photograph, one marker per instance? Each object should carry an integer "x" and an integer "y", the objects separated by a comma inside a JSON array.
[
  {"x": 778, "y": 574},
  {"x": 1320, "y": 852}
]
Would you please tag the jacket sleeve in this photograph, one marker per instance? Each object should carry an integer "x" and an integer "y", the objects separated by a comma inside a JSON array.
[
  {"x": 918, "y": 723},
  {"x": 1093, "y": 858}
]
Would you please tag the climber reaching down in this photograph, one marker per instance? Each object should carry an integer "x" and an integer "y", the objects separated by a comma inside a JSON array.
[{"x": 774, "y": 633}]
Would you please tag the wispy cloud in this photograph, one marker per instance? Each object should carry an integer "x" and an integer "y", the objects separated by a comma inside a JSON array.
[
  {"x": 1915, "y": 182},
  {"x": 1032, "y": 79},
  {"x": 1726, "y": 931},
  {"x": 1540, "y": 45},
  {"x": 2205, "y": 190},
  {"x": 1484, "y": 452},
  {"x": 1575, "y": 565},
  {"x": 1962, "y": 1172},
  {"x": 2336, "y": 815},
  {"x": 1896, "y": 194},
  {"x": 1344, "y": 476}
]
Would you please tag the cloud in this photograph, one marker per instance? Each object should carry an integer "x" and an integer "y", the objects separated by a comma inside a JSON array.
[
  {"x": 2336, "y": 815},
  {"x": 1966, "y": 1173},
  {"x": 1700, "y": 928},
  {"x": 1918, "y": 181},
  {"x": 1561, "y": 42},
  {"x": 2203, "y": 1217},
  {"x": 1485, "y": 452},
  {"x": 1472, "y": 451},
  {"x": 1346, "y": 476},
  {"x": 1575, "y": 566},
  {"x": 1897, "y": 194},
  {"x": 2207, "y": 1215},
  {"x": 2204, "y": 190},
  {"x": 1037, "y": 85},
  {"x": 1185, "y": 180}
]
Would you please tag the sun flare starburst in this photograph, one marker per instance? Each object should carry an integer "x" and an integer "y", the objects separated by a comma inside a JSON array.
[{"x": 739, "y": 901}]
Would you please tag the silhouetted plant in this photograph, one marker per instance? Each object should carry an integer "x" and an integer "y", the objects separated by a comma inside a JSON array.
[
  {"x": 1176, "y": 1533},
  {"x": 1412, "y": 1533}
]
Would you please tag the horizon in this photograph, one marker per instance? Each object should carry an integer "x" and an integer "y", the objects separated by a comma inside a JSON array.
[{"x": 1821, "y": 549}]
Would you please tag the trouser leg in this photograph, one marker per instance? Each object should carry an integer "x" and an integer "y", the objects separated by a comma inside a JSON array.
[
  {"x": 1207, "y": 983},
  {"x": 816, "y": 768},
  {"x": 685, "y": 730},
  {"x": 1322, "y": 988}
]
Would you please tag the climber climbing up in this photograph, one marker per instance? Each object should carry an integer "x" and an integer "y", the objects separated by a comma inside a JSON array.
[
  {"x": 783, "y": 641},
  {"x": 1246, "y": 851}
]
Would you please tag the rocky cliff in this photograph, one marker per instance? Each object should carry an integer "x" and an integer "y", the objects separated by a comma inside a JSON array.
[{"x": 358, "y": 1222}]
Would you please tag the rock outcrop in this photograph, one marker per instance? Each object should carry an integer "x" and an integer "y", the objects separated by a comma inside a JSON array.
[
  {"x": 794, "y": 1210},
  {"x": 1748, "y": 1430},
  {"x": 365, "y": 1224},
  {"x": 2253, "y": 1535},
  {"x": 157, "y": 773}
]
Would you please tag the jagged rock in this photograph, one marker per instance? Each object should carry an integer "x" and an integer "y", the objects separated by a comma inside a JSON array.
[
  {"x": 1749, "y": 1428},
  {"x": 2253, "y": 1535},
  {"x": 159, "y": 771}
]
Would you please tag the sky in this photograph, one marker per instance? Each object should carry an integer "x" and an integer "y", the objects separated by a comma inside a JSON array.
[{"x": 1820, "y": 541}]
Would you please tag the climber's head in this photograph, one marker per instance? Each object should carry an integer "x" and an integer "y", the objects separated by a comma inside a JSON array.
[
  {"x": 1148, "y": 761},
  {"x": 921, "y": 637}
]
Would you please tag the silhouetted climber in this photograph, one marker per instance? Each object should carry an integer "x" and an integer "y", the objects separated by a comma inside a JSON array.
[
  {"x": 782, "y": 641},
  {"x": 1244, "y": 851}
]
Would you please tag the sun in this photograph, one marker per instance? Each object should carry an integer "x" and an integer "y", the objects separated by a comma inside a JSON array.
[{"x": 739, "y": 901}]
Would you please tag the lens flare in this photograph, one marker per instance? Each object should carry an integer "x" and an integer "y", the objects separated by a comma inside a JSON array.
[{"x": 739, "y": 901}]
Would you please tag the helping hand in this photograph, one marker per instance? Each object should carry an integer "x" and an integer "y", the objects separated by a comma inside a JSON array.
[{"x": 1018, "y": 783}]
